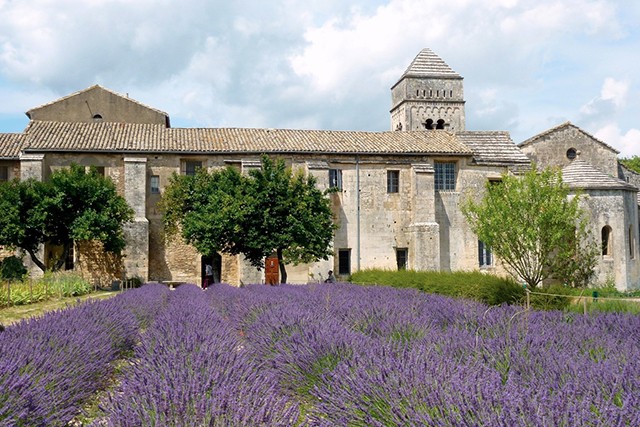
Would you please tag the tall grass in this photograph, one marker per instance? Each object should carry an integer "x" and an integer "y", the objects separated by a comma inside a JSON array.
[
  {"x": 476, "y": 285},
  {"x": 51, "y": 285}
]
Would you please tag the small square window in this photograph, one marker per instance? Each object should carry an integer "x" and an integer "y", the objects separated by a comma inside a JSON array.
[
  {"x": 344, "y": 262},
  {"x": 335, "y": 179},
  {"x": 393, "y": 181},
  {"x": 155, "y": 184}
]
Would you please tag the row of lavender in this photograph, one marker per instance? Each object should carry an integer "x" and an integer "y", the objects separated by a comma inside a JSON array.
[
  {"x": 319, "y": 355},
  {"x": 346, "y": 355},
  {"x": 51, "y": 366}
]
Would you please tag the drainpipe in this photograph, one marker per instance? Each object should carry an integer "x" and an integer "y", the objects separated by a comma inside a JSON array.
[{"x": 358, "y": 211}]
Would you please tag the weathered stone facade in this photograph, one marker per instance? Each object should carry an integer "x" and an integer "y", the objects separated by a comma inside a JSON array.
[
  {"x": 591, "y": 168},
  {"x": 399, "y": 196}
]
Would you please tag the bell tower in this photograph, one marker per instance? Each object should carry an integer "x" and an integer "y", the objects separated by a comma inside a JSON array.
[{"x": 429, "y": 95}]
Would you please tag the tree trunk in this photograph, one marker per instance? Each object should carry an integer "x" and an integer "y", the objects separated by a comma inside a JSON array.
[
  {"x": 283, "y": 269},
  {"x": 36, "y": 261}
]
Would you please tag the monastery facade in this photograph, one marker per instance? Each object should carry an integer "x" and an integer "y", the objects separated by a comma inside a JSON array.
[{"x": 399, "y": 191}]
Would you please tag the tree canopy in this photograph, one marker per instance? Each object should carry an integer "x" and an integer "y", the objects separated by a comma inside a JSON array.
[
  {"x": 536, "y": 227},
  {"x": 632, "y": 163},
  {"x": 74, "y": 205},
  {"x": 272, "y": 210}
]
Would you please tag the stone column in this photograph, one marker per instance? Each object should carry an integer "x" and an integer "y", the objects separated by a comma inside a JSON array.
[
  {"x": 424, "y": 230},
  {"x": 32, "y": 167},
  {"x": 136, "y": 262}
]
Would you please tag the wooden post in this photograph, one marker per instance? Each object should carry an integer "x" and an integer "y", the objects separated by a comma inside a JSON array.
[
  {"x": 584, "y": 303},
  {"x": 528, "y": 299}
]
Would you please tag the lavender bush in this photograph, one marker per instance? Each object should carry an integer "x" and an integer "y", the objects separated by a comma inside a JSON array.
[
  {"x": 326, "y": 355},
  {"x": 51, "y": 366}
]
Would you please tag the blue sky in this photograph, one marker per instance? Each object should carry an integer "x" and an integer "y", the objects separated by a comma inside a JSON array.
[{"x": 528, "y": 65}]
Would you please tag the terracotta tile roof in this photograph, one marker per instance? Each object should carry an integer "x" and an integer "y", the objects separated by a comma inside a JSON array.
[
  {"x": 562, "y": 126},
  {"x": 10, "y": 145},
  {"x": 582, "y": 175},
  {"x": 130, "y": 137},
  {"x": 493, "y": 148}
]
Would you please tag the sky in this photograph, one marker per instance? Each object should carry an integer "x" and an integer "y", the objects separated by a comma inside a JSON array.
[{"x": 528, "y": 65}]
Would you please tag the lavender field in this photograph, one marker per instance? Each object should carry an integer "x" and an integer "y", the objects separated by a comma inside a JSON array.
[{"x": 317, "y": 355}]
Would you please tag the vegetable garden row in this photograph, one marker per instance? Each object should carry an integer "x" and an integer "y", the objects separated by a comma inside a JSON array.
[{"x": 321, "y": 355}]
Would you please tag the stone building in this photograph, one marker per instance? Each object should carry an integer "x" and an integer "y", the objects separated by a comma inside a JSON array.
[
  {"x": 609, "y": 194},
  {"x": 399, "y": 192}
]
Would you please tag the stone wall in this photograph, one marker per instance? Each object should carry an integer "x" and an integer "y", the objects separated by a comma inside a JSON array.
[
  {"x": 96, "y": 265},
  {"x": 551, "y": 149},
  {"x": 98, "y": 104},
  {"x": 615, "y": 208}
]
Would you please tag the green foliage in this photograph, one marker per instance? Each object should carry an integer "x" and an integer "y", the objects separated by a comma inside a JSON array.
[
  {"x": 74, "y": 205},
  {"x": 51, "y": 285},
  {"x": 12, "y": 268},
  {"x": 554, "y": 301},
  {"x": 271, "y": 210},
  {"x": 475, "y": 285},
  {"x": 632, "y": 163},
  {"x": 535, "y": 227}
]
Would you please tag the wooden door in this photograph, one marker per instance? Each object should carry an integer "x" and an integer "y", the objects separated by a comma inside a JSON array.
[{"x": 271, "y": 271}]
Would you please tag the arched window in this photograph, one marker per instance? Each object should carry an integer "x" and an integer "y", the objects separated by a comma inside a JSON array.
[
  {"x": 606, "y": 241},
  {"x": 428, "y": 124},
  {"x": 97, "y": 118},
  {"x": 440, "y": 124}
]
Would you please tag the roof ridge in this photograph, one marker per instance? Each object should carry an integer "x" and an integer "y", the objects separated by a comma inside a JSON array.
[
  {"x": 96, "y": 86},
  {"x": 563, "y": 125}
]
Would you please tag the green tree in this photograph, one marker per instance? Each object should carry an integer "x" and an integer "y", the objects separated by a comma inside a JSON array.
[
  {"x": 535, "y": 227},
  {"x": 632, "y": 163},
  {"x": 270, "y": 211},
  {"x": 74, "y": 205}
]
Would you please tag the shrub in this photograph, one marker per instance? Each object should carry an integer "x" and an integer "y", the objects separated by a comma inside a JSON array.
[
  {"x": 12, "y": 268},
  {"x": 486, "y": 288}
]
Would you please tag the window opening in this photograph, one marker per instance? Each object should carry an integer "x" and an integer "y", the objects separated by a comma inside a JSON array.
[
  {"x": 402, "y": 258},
  {"x": 445, "y": 176},
  {"x": 485, "y": 257},
  {"x": 606, "y": 241},
  {"x": 335, "y": 178},
  {"x": 97, "y": 118},
  {"x": 393, "y": 181},
  {"x": 154, "y": 184},
  {"x": 4, "y": 173},
  {"x": 572, "y": 153},
  {"x": 191, "y": 167},
  {"x": 344, "y": 262},
  {"x": 632, "y": 243},
  {"x": 440, "y": 124},
  {"x": 428, "y": 124}
]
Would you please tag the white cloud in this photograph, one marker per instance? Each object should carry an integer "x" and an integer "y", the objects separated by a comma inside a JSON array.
[
  {"x": 327, "y": 63},
  {"x": 628, "y": 143},
  {"x": 615, "y": 91}
]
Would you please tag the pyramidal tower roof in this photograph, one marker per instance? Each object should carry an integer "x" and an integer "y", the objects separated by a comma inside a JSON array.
[{"x": 428, "y": 64}]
